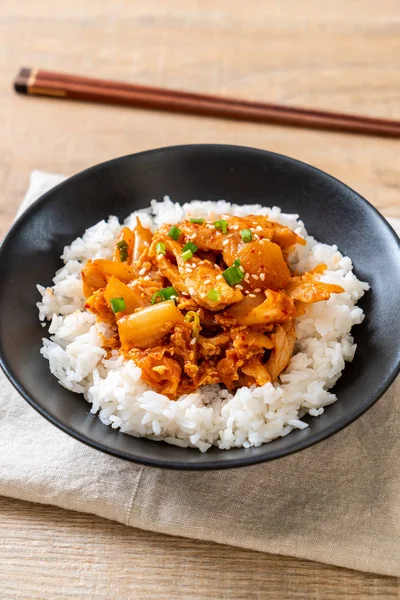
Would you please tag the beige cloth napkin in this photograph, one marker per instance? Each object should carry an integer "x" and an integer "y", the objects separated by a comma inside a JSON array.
[{"x": 337, "y": 502}]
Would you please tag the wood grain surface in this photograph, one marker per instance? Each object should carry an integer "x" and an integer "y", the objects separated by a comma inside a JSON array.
[
  {"x": 331, "y": 55},
  {"x": 52, "y": 553}
]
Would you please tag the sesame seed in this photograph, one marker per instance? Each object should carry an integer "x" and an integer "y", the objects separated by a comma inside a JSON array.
[
  {"x": 257, "y": 290},
  {"x": 239, "y": 287},
  {"x": 143, "y": 271},
  {"x": 146, "y": 244},
  {"x": 241, "y": 268},
  {"x": 207, "y": 281},
  {"x": 184, "y": 294},
  {"x": 246, "y": 277},
  {"x": 147, "y": 278},
  {"x": 255, "y": 276},
  {"x": 258, "y": 228},
  {"x": 236, "y": 227},
  {"x": 192, "y": 291},
  {"x": 225, "y": 242},
  {"x": 256, "y": 237},
  {"x": 262, "y": 276},
  {"x": 252, "y": 296},
  {"x": 193, "y": 341},
  {"x": 219, "y": 277},
  {"x": 247, "y": 292},
  {"x": 159, "y": 256},
  {"x": 252, "y": 229}
]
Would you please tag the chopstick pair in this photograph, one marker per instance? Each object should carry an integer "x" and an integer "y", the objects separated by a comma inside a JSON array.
[{"x": 74, "y": 87}]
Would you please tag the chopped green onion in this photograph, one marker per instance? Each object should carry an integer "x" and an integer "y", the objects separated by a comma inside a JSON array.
[
  {"x": 160, "y": 248},
  {"x": 174, "y": 233},
  {"x": 123, "y": 250},
  {"x": 192, "y": 317},
  {"x": 168, "y": 293},
  {"x": 237, "y": 262},
  {"x": 197, "y": 221},
  {"x": 233, "y": 275},
  {"x": 190, "y": 246},
  {"x": 246, "y": 235},
  {"x": 155, "y": 296},
  {"x": 117, "y": 304},
  {"x": 213, "y": 295},
  {"x": 221, "y": 225},
  {"x": 187, "y": 255}
]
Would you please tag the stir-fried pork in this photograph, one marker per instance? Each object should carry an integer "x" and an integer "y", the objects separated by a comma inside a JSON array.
[{"x": 203, "y": 302}]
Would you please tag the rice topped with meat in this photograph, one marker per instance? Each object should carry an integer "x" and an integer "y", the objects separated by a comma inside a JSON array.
[{"x": 202, "y": 324}]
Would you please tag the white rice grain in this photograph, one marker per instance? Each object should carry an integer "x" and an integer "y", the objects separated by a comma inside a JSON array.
[{"x": 211, "y": 415}]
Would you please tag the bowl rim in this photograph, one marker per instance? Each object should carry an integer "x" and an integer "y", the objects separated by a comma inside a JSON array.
[{"x": 216, "y": 464}]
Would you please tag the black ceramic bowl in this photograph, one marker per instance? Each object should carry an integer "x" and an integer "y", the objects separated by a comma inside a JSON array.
[{"x": 332, "y": 212}]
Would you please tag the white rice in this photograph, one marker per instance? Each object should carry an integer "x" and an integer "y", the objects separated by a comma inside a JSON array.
[{"x": 211, "y": 415}]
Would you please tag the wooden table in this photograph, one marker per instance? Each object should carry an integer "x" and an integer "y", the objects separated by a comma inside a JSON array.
[{"x": 342, "y": 55}]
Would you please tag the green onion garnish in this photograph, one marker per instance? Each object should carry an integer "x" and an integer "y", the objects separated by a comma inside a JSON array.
[
  {"x": 190, "y": 246},
  {"x": 187, "y": 255},
  {"x": 197, "y": 221},
  {"x": 246, "y": 235},
  {"x": 168, "y": 293},
  {"x": 233, "y": 275},
  {"x": 123, "y": 250},
  {"x": 237, "y": 262},
  {"x": 221, "y": 225},
  {"x": 193, "y": 317},
  {"x": 213, "y": 295},
  {"x": 160, "y": 248},
  {"x": 174, "y": 232},
  {"x": 117, "y": 304}
]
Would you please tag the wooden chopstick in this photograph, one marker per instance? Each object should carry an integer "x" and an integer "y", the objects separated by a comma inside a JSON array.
[{"x": 75, "y": 87}]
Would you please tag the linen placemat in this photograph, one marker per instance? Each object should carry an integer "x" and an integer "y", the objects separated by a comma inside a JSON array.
[{"x": 337, "y": 502}]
